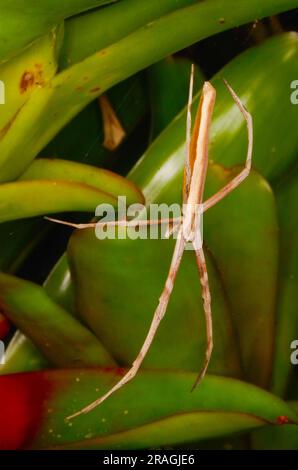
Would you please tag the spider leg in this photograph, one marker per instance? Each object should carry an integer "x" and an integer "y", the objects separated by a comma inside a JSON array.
[
  {"x": 245, "y": 172},
  {"x": 114, "y": 223},
  {"x": 158, "y": 316},
  {"x": 202, "y": 267},
  {"x": 187, "y": 169}
]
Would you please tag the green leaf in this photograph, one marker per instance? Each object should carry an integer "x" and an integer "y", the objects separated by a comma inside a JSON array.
[
  {"x": 73, "y": 172},
  {"x": 219, "y": 407},
  {"x": 62, "y": 186},
  {"x": 61, "y": 338},
  {"x": 23, "y": 21},
  {"x": 88, "y": 33},
  {"x": 18, "y": 200}
]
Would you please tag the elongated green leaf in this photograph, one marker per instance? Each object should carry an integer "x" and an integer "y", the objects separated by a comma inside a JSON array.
[
  {"x": 61, "y": 338},
  {"x": 18, "y": 200},
  {"x": 75, "y": 87},
  {"x": 84, "y": 35},
  {"x": 23, "y": 21},
  {"x": 218, "y": 407},
  {"x": 62, "y": 186},
  {"x": 73, "y": 172}
]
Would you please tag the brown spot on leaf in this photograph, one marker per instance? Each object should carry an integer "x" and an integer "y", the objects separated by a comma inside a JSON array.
[
  {"x": 27, "y": 81},
  {"x": 31, "y": 78},
  {"x": 94, "y": 90}
]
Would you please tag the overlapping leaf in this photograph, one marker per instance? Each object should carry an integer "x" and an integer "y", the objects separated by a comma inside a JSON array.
[{"x": 44, "y": 400}]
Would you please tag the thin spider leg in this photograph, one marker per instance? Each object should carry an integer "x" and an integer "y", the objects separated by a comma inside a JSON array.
[
  {"x": 246, "y": 170},
  {"x": 201, "y": 263},
  {"x": 118, "y": 223},
  {"x": 187, "y": 169},
  {"x": 158, "y": 316}
]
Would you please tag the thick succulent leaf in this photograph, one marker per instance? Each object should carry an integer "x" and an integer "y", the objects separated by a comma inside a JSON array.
[
  {"x": 72, "y": 89},
  {"x": 73, "y": 172},
  {"x": 169, "y": 84},
  {"x": 62, "y": 186},
  {"x": 63, "y": 340},
  {"x": 18, "y": 200},
  {"x": 23, "y": 21},
  {"x": 287, "y": 315},
  {"x": 219, "y": 407}
]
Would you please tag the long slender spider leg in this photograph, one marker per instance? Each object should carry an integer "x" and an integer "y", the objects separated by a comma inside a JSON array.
[
  {"x": 246, "y": 170},
  {"x": 158, "y": 316},
  {"x": 202, "y": 267},
  {"x": 187, "y": 174},
  {"x": 118, "y": 223}
]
